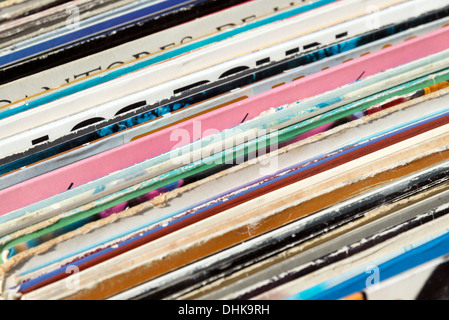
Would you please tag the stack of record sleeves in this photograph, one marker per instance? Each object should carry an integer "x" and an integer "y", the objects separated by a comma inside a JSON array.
[{"x": 224, "y": 150}]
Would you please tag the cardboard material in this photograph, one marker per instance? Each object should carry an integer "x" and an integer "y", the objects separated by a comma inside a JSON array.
[
  {"x": 274, "y": 200},
  {"x": 168, "y": 112},
  {"x": 237, "y": 150},
  {"x": 206, "y": 64},
  {"x": 138, "y": 49},
  {"x": 335, "y": 77}
]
